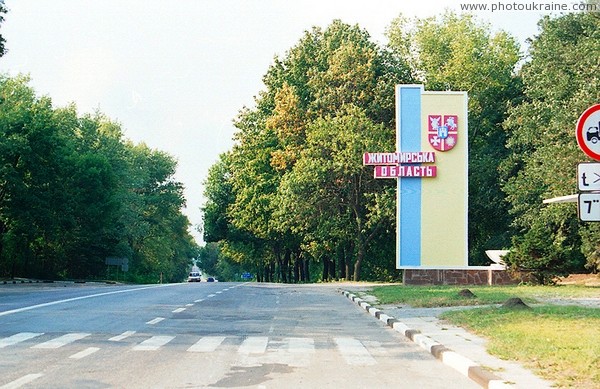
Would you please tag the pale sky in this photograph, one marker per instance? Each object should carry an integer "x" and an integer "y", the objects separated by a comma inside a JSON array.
[{"x": 176, "y": 73}]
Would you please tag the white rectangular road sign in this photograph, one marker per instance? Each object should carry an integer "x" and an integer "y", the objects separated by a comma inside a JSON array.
[
  {"x": 588, "y": 176},
  {"x": 589, "y": 207}
]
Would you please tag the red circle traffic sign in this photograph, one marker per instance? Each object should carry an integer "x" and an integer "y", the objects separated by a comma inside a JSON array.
[{"x": 588, "y": 132}]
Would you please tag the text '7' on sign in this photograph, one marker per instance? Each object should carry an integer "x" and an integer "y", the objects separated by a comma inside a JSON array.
[
  {"x": 589, "y": 207},
  {"x": 405, "y": 171},
  {"x": 588, "y": 176}
]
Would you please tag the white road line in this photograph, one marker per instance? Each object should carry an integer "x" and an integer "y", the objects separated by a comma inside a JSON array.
[
  {"x": 61, "y": 341},
  {"x": 21, "y": 381},
  {"x": 84, "y": 353},
  {"x": 219, "y": 292},
  {"x": 154, "y": 321},
  {"x": 198, "y": 301},
  {"x": 81, "y": 298},
  {"x": 254, "y": 345},
  {"x": 301, "y": 345},
  {"x": 124, "y": 335},
  {"x": 178, "y": 310},
  {"x": 211, "y": 295},
  {"x": 189, "y": 305},
  {"x": 207, "y": 344},
  {"x": 354, "y": 352},
  {"x": 154, "y": 343},
  {"x": 18, "y": 338}
]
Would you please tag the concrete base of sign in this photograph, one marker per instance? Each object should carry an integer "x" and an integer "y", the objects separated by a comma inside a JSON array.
[{"x": 476, "y": 276}]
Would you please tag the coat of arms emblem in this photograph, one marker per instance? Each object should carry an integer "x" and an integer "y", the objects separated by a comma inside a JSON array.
[{"x": 442, "y": 131}]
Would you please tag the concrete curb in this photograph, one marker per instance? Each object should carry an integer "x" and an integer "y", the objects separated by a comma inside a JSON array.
[{"x": 458, "y": 362}]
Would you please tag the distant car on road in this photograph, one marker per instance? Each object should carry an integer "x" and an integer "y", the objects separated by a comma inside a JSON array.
[
  {"x": 194, "y": 277},
  {"x": 210, "y": 279}
]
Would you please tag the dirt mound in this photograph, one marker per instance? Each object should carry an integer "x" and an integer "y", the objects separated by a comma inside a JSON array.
[
  {"x": 466, "y": 293},
  {"x": 515, "y": 303}
]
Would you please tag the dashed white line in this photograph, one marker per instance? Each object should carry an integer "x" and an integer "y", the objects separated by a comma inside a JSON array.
[
  {"x": 301, "y": 345},
  {"x": 84, "y": 353},
  {"x": 17, "y": 338},
  {"x": 354, "y": 352},
  {"x": 178, "y": 310},
  {"x": 207, "y": 344},
  {"x": 21, "y": 381},
  {"x": 254, "y": 345},
  {"x": 124, "y": 335},
  {"x": 154, "y": 321},
  {"x": 61, "y": 341},
  {"x": 198, "y": 301},
  {"x": 154, "y": 343}
]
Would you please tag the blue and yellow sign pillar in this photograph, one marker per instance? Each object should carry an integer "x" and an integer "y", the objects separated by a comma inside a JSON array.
[
  {"x": 431, "y": 168},
  {"x": 432, "y": 212}
]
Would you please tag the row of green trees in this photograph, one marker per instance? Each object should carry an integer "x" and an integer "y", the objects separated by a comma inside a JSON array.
[
  {"x": 73, "y": 192},
  {"x": 292, "y": 193}
]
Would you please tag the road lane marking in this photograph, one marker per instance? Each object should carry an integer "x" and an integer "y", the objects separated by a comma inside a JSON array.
[
  {"x": 353, "y": 352},
  {"x": 207, "y": 344},
  {"x": 21, "y": 381},
  {"x": 80, "y": 298},
  {"x": 154, "y": 343},
  {"x": 61, "y": 341},
  {"x": 211, "y": 295},
  {"x": 178, "y": 310},
  {"x": 198, "y": 301},
  {"x": 189, "y": 305},
  {"x": 301, "y": 345},
  {"x": 84, "y": 353},
  {"x": 154, "y": 321},
  {"x": 124, "y": 335},
  {"x": 18, "y": 338},
  {"x": 254, "y": 345}
]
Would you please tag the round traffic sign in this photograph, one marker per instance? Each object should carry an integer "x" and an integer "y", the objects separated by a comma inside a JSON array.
[{"x": 588, "y": 132}]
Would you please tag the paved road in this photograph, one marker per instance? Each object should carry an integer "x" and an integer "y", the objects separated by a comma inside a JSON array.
[{"x": 207, "y": 335}]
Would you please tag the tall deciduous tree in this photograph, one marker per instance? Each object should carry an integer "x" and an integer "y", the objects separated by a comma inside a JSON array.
[
  {"x": 561, "y": 80},
  {"x": 452, "y": 52},
  {"x": 73, "y": 192},
  {"x": 331, "y": 95}
]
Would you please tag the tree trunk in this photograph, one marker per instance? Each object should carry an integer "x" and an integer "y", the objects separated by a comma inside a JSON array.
[
  {"x": 325, "y": 269},
  {"x": 341, "y": 261},
  {"x": 359, "y": 258},
  {"x": 306, "y": 270},
  {"x": 287, "y": 272}
]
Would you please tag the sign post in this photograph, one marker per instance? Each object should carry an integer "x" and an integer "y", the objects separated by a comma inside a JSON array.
[{"x": 588, "y": 174}]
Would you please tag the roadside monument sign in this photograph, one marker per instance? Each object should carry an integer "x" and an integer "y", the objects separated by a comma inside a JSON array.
[{"x": 431, "y": 166}]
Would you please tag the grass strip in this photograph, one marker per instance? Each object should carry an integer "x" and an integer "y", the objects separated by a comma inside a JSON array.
[{"x": 559, "y": 343}]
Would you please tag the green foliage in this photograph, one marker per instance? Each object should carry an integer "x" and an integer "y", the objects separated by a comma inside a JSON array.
[
  {"x": 452, "y": 52},
  {"x": 73, "y": 192},
  {"x": 291, "y": 193},
  {"x": 296, "y": 188},
  {"x": 3, "y": 10},
  {"x": 561, "y": 81}
]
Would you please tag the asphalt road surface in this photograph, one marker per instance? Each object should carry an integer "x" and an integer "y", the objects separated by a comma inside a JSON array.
[{"x": 203, "y": 335}]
